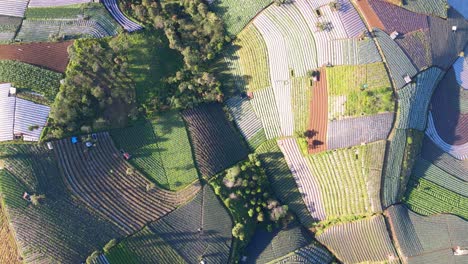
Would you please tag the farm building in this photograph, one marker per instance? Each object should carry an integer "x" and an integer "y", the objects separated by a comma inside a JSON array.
[{"x": 20, "y": 118}]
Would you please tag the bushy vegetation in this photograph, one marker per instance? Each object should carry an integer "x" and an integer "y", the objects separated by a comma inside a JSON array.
[
  {"x": 246, "y": 192},
  {"x": 29, "y": 77},
  {"x": 198, "y": 35},
  {"x": 97, "y": 91}
]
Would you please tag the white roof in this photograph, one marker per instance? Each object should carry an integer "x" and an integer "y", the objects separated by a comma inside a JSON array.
[{"x": 18, "y": 115}]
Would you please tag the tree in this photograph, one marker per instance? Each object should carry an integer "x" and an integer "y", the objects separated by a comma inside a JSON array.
[
  {"x": 36, "y": 199},
  {"x": 238, "y": 231},
  {"x": 251, "y": 212}
]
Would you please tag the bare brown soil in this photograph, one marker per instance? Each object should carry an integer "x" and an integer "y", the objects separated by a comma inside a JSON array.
[
  {"x": 318, "y": 117},
  {"x": 371, "y": 18},
  {"x": 53, "y": 56}
]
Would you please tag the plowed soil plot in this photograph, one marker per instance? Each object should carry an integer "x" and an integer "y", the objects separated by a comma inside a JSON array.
[
  {"x": 53, "y": 56},
  {"x": 215, "y": 142},
  {"x": 318, "y": 118},
  {"x": 369, "y": 14},
  {"x": 451, "y": 124}
]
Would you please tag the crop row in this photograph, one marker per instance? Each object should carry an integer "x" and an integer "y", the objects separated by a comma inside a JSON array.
[
  {"x": 264, "y": 105},
  {"x": 8, "y": 249},
  {"x": 391, "y": 174},
  {"x": 306, "y": 181},
  {"x": 269, "y": 246},
  {"x": 313, "y": 253},
  {"x": 444, "y": 161},
  {"x": 59, "y": 229},
  {"x": 246, "y": 120},
  {"x": 252, "y": 54},
  {"x": 414, "y": 99},
  {"x": 115, "y": 11},
  {"x": 15, "y": 8},
  {"x": 445, "y": 45},
  {"x": 282, "y": 181},
  {"x": 206, "y": 233},
  {"x": 427, "y": 198},
  {"x": 428, "y": 7},
  {"x": 457, "y": 151},
  {"x": 460, "y": 68},
  {"x": 25, "y": 76},
  {"x": 236, "y": 14},
  {"x": 143, "y": 247},
  {"x": 398, "y": 19},
  {"x": 418, "y": 48},
  {"x": 215, "y": 142},
  {"x": 355, "y": 131},
  {"x": 161, "y": 150},
  {"x": 398, "y": 63},
  {"x": 101, "y": 178},
  {"x": 343, "y": 177},
  {"x": 414, "y": 233},
  {"x": 300, "y": 97},
  {"x": 365, "y": 240},
  {"x": 426, "y": 170},
  {"x": 50, "y": 3}
]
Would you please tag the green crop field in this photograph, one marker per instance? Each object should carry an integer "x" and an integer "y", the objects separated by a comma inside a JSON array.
[
  {"x": 237, "y": 13},
  {"x": 345, "y": 179},
  {"x": 282, "y": 181},
  {"x": 48, "y": 230},
  {"x": 427, "y": 198},
  {"x": 143, "y": 247},
  {"x": 251, "y": 49},
  {"x": 160, "y": 149},
  {"x": 366, "y": 87},
  {"x": 29, "y": 77},
  {"x": 300, "y": 97}
]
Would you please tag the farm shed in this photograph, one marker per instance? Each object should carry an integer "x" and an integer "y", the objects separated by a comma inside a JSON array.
[{"x": 20, "y": 117}]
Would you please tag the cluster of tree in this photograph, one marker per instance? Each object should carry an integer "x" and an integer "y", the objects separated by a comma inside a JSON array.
[
  {"x": 198, "y": 34},
  {"x": 96, "y": 92},
  {"x": 246, "y": 192}
]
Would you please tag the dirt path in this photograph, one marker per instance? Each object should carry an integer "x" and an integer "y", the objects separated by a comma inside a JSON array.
[
  {"x": 370, "y": 17},
  {"x": 318, "y": 117}
]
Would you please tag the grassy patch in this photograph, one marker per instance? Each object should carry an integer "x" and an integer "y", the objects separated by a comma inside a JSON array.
[
  {"x": 160, "y": 149},
  {"x": 367, "y": 88},
  {"x": 57, "y": 12}
]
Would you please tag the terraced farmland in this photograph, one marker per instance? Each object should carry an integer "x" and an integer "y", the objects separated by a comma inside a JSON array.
[
  {"x": 236, "y": 14},
  {"x": 391, "y": 174},
  {"x": 414, "y": 99},
  {"x": 417, "y": 47},
  {"x": 425, "y": 170},
  {"x": 305, "y": 179},
  {"x": 398, "y": 63},
  {"x": 359, "y": 130},
  {"x": 313, "y": 253},
  {"x": 446, "y": 46},
  {"x": 360, "y": 241},
  {"x": 43, "y": 23},
  {"x": 268, "y": 246},
  {"x": 59, "y": 228},
  {"x": 251, "y": 50},
  {"x": 8, "y": 27},
  {"x": 414, "y": 235},
  {"x": 282, "y": 181},
  {"x": 95, "y": 175},
  {"x": 427, "y": 198},
  {"x": 200, "y": 228},
  {"x": 161, "y": 150},
  {"x": 216, "y": 144},
  {"x": 444, "y": 161},
  {"x": 246, "y": 120},
  {"x": 346, "y": 184}
]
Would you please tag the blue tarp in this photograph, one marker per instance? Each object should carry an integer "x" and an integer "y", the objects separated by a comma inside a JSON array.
[{"x": 74, "y": 140}]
